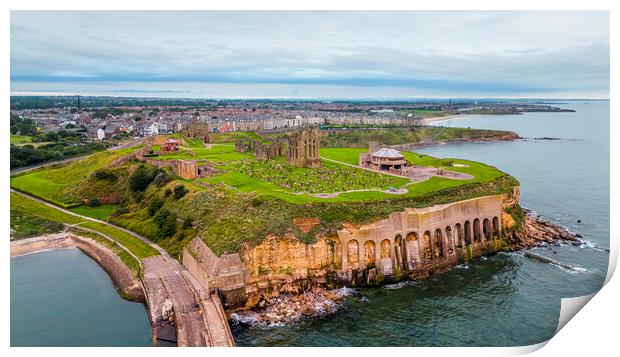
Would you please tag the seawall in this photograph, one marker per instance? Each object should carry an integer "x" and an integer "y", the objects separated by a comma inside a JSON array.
[
  {"x": 415, "y": 243},
  {"x": 122, "y": 277}
]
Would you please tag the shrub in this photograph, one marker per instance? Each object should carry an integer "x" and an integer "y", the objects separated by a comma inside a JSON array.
[
  {"x": 94, "y": 202},
  {"x": 188, "y": 223},
  {"x": 103, "y": 174},
  {"x": 161, "y": 179},
  {"x": 140, "y": 179},
  {"x": 169, "y": 226},
  {"x": 155, "y": 205},
  {"x": 168, "y": 192},
  {"x": 179, "y": 191}
]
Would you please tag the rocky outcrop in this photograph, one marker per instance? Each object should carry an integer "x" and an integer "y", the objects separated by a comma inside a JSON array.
[{"x": 536, "y": 231}]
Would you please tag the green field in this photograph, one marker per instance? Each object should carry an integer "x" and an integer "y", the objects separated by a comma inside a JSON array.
[
  {"x": 55, "y": 183},
  {"x": 397, "y": 136},
  {"x": 216, "y": 153},
  {"x": 20, "y": 139},
  {"x": 101, "y": 212},
  {"x": 22, "y": 207}
]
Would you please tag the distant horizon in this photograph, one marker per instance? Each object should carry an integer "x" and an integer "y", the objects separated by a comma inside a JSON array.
[
  {"x": 35, "y": 94},
  {"x": 312, "y": 54}
]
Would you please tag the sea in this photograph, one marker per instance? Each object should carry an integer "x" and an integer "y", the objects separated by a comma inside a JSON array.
[{"x": 62, "y": 298}]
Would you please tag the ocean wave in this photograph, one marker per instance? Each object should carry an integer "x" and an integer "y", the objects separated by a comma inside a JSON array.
[{"x": 400, "y": 285}]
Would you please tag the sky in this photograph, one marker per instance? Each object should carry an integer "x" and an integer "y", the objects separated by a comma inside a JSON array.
[{"x": 351, "y": 54}]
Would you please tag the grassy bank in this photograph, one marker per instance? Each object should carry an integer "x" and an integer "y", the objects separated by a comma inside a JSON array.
[
  {"x": 397, "y": 136},
  {"x": 25, "y": 209}
]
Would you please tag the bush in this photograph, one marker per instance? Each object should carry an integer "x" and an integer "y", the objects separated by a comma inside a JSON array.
[
  {"x": 161, "y": 179},
  {"x": 155, "y": 205},
  {"x": 94, "y": 202},
  {"x": 179, "y": 191},
  {"x": 103, "y": 174},
  {"x": 188, "y": 223},
  {"x": 140, "y": 179}
]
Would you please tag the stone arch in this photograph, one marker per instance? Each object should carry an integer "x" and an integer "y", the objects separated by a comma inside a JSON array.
[
  {"x": 438, "y": 245},
  {"x": 426, "y": 246},
  {"x": 398, "y": 251},
  {"x": 450, "y": 239},
  {"x": 486, "y": 229},
  {"x": 370, "y": 253},
  {"x": 353, "y": 252},
  {"x": 386, "y": 248},
  {"x": 467, "y": 233},
  {"x": 459, "y": 235},
  {"x": 412, "y": 250},
  {"x": 477, "y": 234},
  {"x": 495, "y": 227}
]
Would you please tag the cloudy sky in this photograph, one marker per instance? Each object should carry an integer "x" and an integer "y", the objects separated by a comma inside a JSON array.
[{"x": 311, "y": 54}]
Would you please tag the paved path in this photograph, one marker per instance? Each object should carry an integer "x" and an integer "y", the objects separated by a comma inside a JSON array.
[{"x": 199, "y": 315}]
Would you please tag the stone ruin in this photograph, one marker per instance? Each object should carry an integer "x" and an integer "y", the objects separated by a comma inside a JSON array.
[
  {"x": 261, "y": 151},
  {"x": 303, "y": 148}
]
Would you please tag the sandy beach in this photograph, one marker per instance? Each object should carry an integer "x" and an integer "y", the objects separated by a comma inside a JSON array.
[{"x": 428, "y": 121}]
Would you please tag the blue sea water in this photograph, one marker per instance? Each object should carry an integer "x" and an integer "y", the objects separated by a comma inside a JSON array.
[
  {"x": 63, "y": 298},
  {"x": 505, "y": 299}
]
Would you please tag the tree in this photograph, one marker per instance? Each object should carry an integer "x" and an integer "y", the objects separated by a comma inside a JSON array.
[
  {"x": 140, "y": 179},
  {"x": 155, "y": 205},
  {"x": 179, "y": 191}
]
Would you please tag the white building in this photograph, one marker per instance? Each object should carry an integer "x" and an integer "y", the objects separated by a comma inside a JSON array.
[{"x": 100, "y": 134}]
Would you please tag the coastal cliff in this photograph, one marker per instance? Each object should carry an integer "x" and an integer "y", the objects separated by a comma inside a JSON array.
[{"x": 413, "y": 244}]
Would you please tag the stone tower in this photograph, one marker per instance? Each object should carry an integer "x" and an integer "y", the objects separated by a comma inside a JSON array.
[{"x": 303, "y": 148}]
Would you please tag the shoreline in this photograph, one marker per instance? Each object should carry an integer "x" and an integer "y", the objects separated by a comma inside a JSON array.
[{"x": 127, "y": 284}]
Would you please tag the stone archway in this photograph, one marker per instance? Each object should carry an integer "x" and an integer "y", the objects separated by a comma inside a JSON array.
[
  {"x": 353, "y": 253},
  {"x": 398, "y": 252},
  {"x": 438, "y": 244},
  {"x": 496, "y": 228},
  {"x": 486, "y": 229},
  {"x": 386, "y": 249},
  {"x": 468, "y": 233},
  {"x": 459, "y": 235},
  {"x": 477, "y": 234},
  {"x": 370, "y": 258},
  {"x": 426, "y": 246},
  {"x": 412, "y": 250},
  {"x": 450, "y": 239}
]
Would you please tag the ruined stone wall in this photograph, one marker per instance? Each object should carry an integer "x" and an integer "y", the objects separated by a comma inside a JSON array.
[
  {"x": 303, "y": 148},
  {"x": 186, "y": 169}
]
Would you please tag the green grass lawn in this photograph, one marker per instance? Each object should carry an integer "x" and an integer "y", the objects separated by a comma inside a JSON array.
[
  {"x": 216, "y": 153},
  {"x": 22, "y": 207},
  {"x": 330, "y": 177},
  {"x": 232, "y": 136},
  {"x": 346, "y": 155},
  {"x": 101, "y": 212},
  {"x": 20, "y": 139},
  {"x": 54, "y": 183}
]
